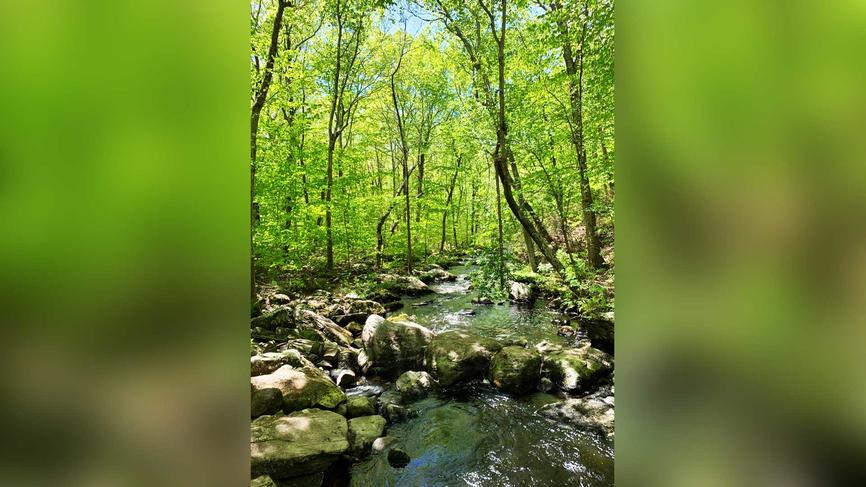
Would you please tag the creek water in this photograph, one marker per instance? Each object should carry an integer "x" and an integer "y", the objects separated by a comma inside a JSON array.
[{"x": 477, "y": 436}]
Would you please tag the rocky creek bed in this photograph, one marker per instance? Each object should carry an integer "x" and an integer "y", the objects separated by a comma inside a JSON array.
[{"x": 418, "y": 385}]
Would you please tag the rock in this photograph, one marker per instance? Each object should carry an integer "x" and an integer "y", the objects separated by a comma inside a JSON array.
[
  {"x": 592, "y": 412},
  {"x": 482, "y": 300},
  {"x": 343, "y": 377},
  {"x": 311, "y": 320},
  {"x": 515, "y": 370},
  {"x": 262, "y": 481},
  {"x": 521, "y": 292},
  {"x": 437, "y": 274},
  {"x": 268, "y": 362},
  {"x": 384, "y": 296},
  {"x": 355, "y": 328},
  {"x": 301, "y": 388},
  {"x": 390, "y": 406},
  {"x": 565, "y": 331},
  {"x": 280, "y": 298},
  {"x": 362, "y": 432},
  {"x": 397, "y": 458},
  {"x": 466, "y": 312},
  {"x": 379, "y": 444},
  {"x": 414, "y": 385},
  {"x": 357, "y": 343},
  {"x": 302, "y": 443},
  {"x": 578, "y": 369},
  {"x": 266, "y": 401},
  {"x": 342, "y": 410},
  {"x": 394, "y": 346},
  {"x": 457, "y": 356},
  {"x": 360, "y": 406},
  {"x": 410, "y": 285},
  {"x": 273, "y": 319},
  {"x": 358, "y": 310}
]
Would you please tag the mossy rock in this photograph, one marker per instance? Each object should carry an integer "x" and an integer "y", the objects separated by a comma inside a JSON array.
[
  {"x": 360, "y": 406},
  {"x": 458, "y": 356},
  {"x": 302, "y": 388},
  {"x": 578, "y": 369},
  {"x": 302, "y": 443},
  {"x": 516, "y": 370},
  {"x": 363, "y": 431},
  {"x": 414, "y": 385}
]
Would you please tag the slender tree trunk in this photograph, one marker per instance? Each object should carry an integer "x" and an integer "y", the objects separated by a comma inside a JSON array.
[
  {"x": 503, "y": 153},
  {"x": 420, "y": 188},
  {"x": 329, "y": 251},
  {"x": 501, "y": 267},
  {"x": 258, "y": 104},
  {"x": 448, "y": 205},
  {"x": 574, "y": 69}
]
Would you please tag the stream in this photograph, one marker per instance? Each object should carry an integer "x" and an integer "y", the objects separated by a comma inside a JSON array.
[{"x": 476, "y": 435}]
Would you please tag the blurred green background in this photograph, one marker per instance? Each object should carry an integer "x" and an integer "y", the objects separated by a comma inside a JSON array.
[
  {"x": 741, "y": 251},
  {"x": 741, "y": 257},
  {"x": 124, "y": 210}
]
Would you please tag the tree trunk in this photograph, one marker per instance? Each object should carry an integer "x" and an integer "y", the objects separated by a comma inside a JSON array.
[
  {"x": 259, "y": 103},
  {"x": 574, "y": 69},
  {"x": 501, "y": 266},
  {"x": 448, "y": 205},
  {"x": 329, "y": 252}
]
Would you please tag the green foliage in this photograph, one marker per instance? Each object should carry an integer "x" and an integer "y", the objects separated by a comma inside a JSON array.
[{"x": 442, "y": 102}]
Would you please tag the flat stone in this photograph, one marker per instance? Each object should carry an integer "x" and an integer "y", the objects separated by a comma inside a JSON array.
[{"x": 302, "y": 443}]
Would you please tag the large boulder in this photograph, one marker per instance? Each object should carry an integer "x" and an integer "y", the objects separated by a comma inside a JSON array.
[
  {"x": 516, "y": 370},
  {"x": 362, "y": 432},
  {"x": 268, "y": 362},
  {"x": 578, "y": 368},
  {"x": 302, "y": 443},
  {"x": 392, "y": 346},
  {"x": 458, "y": 356},
  {"x": 301, "y": 388},
  {"x": 414, "y": 385}
]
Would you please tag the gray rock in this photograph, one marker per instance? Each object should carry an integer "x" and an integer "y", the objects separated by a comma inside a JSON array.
[
  {"x": 394, "y": 345},
  {"x": 521, "y": 292},
  {"x": 268, "y": 362},
  {"x": 302, "y": 443},
  {"x": 381, "y": 443},
  {"x": 343, "y": 377},
  {"x": 591, "y": 412}
]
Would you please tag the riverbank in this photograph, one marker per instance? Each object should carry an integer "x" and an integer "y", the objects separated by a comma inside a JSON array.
[{"x": 470, "y": 405}]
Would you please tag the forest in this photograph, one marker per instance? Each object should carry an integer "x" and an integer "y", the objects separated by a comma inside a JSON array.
[{"x": 432, "y": 177}]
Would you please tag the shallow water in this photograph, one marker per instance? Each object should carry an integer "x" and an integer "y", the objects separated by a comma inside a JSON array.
[{"x": 477, "y": 436}]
